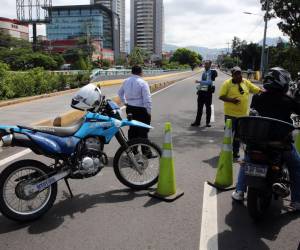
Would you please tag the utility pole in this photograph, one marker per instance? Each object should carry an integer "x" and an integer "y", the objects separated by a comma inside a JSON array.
[
  {"x": 228, "y": 44},
  {"x": 262, "y": 60}
]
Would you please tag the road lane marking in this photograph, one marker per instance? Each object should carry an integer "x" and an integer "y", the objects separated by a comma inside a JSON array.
[
  {"x": 209, "y": 222},
  {"x": 212, "y": 119},
  {"x": 27, "y": 151},
  {"x": 172, "y": 85},
  {"x": 14, "y": 157}
]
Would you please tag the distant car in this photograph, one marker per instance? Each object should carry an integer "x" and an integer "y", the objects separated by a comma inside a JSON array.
[
  {"x": 119, "y": 67},
  {"x": 65, "y": 67}
]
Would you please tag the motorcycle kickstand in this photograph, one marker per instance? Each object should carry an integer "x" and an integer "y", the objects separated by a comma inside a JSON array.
[{"x": 68, "y": 186}]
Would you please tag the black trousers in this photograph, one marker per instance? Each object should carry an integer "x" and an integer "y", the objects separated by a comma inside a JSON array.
[
  {"x": 139, "y": 114},
  {"x": 204, "y": 98}
]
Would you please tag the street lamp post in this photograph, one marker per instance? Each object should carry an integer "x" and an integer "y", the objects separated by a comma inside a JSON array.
[{"x": 262, "y": 59}]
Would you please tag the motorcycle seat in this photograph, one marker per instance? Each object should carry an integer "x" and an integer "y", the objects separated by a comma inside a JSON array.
[{"x": 58, "y": 131}]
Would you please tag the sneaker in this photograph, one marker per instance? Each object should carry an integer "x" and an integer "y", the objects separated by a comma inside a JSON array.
[
  {"x": 295, "y": 206},
  {"x": 195, "y": 124},
  {"x": 208, "y": 125},
  {"x": 237, "y": 195},
  {"x": 281, "y": 189}
]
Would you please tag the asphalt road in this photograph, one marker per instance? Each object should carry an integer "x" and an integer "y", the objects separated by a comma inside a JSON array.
[{"x": 106, "y": 215}]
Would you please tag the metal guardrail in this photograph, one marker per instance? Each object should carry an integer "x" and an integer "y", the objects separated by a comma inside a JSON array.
[
  {"x": 108, "y": 72},
  {"x": 114, "y": 72}
]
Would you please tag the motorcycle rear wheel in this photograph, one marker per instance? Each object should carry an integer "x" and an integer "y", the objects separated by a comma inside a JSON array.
[
  {"x": 14, "y": 203},
  {"x": 149, "y": 166},
  {"x": 257, "y": 203}
]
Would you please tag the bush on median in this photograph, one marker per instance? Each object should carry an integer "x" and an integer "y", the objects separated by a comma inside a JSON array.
[{"x": 35, "y": 82}]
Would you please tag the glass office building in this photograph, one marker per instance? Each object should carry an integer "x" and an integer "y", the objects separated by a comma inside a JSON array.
[{"x": 88, "y": 21}]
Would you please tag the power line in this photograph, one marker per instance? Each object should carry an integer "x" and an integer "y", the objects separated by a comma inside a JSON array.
[{"x": 254, "y": 29}]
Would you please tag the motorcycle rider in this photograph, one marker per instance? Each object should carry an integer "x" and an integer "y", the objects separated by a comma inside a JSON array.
[{"x": 274, "y": 103}]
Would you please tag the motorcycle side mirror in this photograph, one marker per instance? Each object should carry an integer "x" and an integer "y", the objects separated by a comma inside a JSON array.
[{"x": 129, "y": 117}]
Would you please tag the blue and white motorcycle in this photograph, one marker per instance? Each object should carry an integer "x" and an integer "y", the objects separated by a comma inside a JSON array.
[{"x": 28, "y": 188}]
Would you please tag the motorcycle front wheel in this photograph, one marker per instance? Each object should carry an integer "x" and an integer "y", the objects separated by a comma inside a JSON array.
[
  {"x": 147, "y": 155},
  {"x": 15, "y": 203}
]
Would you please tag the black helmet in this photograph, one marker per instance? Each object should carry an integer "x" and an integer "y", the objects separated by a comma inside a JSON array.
[{"x": 277, "y": 79}]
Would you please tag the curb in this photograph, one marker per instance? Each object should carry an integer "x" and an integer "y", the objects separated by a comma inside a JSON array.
[
  {"x": 33, "y": 98},
  {"x": 103, "y": 84},
  {"x": 74, "y": 115}
]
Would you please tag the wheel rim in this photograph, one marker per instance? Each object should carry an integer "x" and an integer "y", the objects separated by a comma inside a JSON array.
[
  {"x": 149, "y": 167},
  {"x": 14, "y": 197}
]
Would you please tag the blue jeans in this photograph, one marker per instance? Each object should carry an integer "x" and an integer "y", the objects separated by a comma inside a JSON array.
[{"x": 292, "y": 160}]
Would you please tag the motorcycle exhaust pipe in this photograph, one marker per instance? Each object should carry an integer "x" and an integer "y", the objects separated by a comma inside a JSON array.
[{"x": 6, "y": 140}]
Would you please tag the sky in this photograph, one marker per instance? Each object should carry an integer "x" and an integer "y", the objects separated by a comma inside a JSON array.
[{"x": 209, "y": 23}]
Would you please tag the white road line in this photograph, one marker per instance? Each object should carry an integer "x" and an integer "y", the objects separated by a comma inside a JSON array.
[
  {"x": 172, "y": 85},
  {"x": 209, "y": 225},
  {"x": 15, "y": 156},
  {"x": 212, "y": 119},
  {"x": 27, "y": 151}
]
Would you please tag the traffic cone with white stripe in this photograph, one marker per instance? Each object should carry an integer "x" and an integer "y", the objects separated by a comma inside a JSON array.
[
  {"x": 297, "y": 142},
  {"x": 224, "y": 176},
  {"x": 166, "y": 187}
]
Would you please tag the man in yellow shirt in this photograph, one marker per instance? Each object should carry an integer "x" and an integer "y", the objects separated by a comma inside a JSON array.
[{"x": 235, "y": 94}]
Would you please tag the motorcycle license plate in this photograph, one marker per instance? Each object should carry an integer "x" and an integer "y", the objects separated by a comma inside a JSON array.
[{"x": 255, "y": 170}]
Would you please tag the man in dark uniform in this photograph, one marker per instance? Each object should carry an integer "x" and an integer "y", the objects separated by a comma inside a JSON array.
[{"x": 205, "y": 92}]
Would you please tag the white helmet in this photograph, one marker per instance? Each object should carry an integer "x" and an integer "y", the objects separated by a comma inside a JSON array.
[{"x": 87, "y": 98}]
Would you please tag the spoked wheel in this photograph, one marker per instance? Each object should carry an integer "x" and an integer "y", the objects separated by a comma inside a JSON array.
[
  {"x": 15, "y": 202},
  {"x": 142, "y": 172},
  {"x": 257, "y": 203}
]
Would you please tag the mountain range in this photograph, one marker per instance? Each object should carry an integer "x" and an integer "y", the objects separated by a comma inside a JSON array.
[{"x": 212, "y": 54}]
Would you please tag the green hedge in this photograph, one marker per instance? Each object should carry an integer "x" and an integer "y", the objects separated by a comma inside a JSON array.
[{"x": 35, "y": 82}]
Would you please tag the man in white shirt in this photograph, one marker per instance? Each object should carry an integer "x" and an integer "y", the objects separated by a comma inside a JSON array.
[{"x": 135, "y": 94}]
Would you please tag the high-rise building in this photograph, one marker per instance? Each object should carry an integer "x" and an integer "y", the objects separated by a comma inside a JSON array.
[
  {"x": 147, "y": 26},
  {"x": 117, "y": 6},
  {"x": 14, "y": 28},
  {"x": 96, "y": 22}
]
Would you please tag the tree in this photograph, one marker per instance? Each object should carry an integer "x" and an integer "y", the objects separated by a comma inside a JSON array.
[
  {"x": 228, "y": 62},
  {"x": 7, "y": 41},
  {"x": 288, "y": 11},
  {"x": 250, "y": 56},
  {"x": 237, "y": 47},
  {"x": 186, "y": 56},
  {"x": 137, "y": 56}
]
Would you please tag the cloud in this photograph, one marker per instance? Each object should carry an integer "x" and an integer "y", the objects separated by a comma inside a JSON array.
[
  {"x": 214, "y": 23},
  {"x": 199, "y": 7},
  {"x": 206, "y": 23}
]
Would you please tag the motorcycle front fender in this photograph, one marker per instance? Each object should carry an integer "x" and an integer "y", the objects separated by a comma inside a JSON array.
[{"x": 136, "y": 124}]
